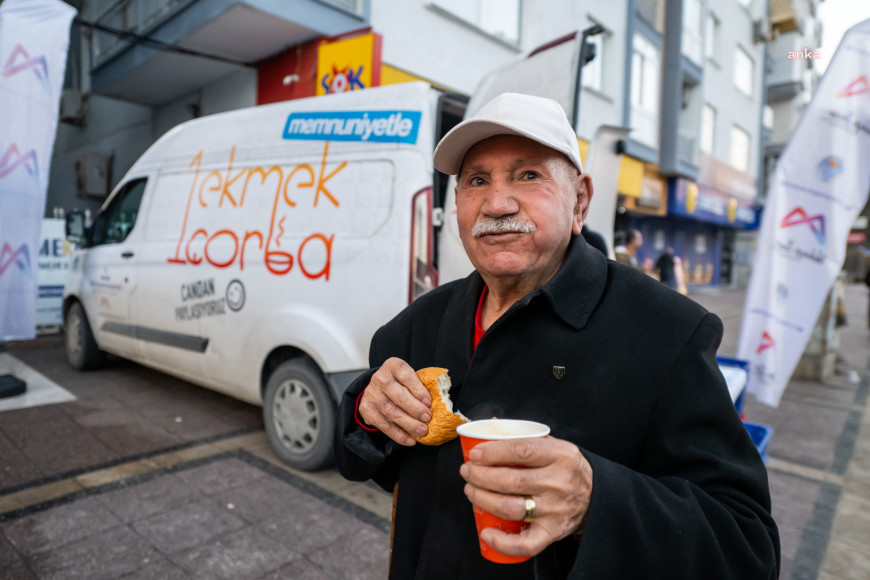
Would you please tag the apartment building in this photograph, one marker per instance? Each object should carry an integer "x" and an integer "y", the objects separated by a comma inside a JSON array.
[{"x": 686, "y": 76}]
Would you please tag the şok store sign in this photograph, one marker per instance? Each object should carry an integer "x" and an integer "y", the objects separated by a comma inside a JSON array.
[{"x": 348, "y": 65}]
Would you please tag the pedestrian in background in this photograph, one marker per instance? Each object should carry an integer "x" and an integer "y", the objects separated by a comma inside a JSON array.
[
  {"x": 665, "y": 268},
  {"x": 626, "y": 253}
]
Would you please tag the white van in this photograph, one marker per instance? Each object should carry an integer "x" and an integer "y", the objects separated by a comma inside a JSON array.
[{"x": 255, "y": 252}]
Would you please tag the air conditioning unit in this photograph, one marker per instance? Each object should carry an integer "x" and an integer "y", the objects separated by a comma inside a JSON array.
[
  {"x": 93, "y": 174},
  {"x": 72, "y": 107},
  {"x": 761, "y": 30}
]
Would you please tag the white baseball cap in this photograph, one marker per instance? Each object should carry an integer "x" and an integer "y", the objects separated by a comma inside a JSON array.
[{"x": 535, "y": 118}]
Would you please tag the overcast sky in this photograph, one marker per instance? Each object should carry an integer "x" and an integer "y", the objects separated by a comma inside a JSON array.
[{"x": 837, "y": 17}]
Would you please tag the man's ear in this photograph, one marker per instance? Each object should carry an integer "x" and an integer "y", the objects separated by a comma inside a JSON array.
[{"x": 583, "y": 190}]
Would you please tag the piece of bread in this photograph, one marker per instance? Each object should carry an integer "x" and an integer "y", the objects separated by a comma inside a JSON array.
[{"x": 442, "y": 426}]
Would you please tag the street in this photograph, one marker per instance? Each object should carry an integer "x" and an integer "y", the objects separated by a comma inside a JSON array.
[{"x": 147, "y": 476}]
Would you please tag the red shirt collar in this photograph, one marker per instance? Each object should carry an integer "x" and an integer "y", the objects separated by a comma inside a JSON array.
[{"x": 478, "y": 320}]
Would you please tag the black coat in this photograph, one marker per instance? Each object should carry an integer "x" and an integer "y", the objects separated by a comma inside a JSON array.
[{"x": 679, "y": 489}]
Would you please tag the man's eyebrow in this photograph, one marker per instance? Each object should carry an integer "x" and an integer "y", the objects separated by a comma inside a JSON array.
[
  {"x": 472, "y": 169},
  {"x": 521, "y": 162}
]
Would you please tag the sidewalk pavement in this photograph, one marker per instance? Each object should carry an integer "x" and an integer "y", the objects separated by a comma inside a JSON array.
[
  {"x": 114, "y": 485},
  {"x": 819, "y": 464}
]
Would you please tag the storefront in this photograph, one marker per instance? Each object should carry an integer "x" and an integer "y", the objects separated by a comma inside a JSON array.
[{"x": 705, "y": 225}]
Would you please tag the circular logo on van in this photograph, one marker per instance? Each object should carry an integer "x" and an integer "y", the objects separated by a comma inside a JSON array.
[{"x": 235, "y": 295}]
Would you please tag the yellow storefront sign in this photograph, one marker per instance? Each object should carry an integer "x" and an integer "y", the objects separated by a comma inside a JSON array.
[{"x": 348, "y": 65}]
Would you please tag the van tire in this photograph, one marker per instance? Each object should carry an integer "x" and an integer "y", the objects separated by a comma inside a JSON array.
[
  {"x": 82, "y": 351},
  {"x": 299, "y": 415}
]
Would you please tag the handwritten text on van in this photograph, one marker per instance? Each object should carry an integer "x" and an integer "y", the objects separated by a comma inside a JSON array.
[
  {"x": 370, "y": 126},
  {"x": 228, "y": 191}
]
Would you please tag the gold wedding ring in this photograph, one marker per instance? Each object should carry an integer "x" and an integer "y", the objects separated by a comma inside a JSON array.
[{"x": 530, "y": 509}]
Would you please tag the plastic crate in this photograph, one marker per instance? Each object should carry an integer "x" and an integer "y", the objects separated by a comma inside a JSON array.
[
  {"x": 760, "y": 435},
  {"x": 736, "y": 373}
]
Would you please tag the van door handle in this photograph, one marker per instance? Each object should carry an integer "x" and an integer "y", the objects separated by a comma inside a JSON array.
[{"x": 127, "y": 254}]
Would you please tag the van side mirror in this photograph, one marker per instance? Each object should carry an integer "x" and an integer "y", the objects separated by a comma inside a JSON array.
[{"x": 76, "y": 231}]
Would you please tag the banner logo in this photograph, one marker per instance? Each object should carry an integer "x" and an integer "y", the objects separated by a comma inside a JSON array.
[
  {"x": 19, "y": 257},
  {"x": 830, "y": 168},
  {"x": 369, "y": 126},
  {"x": 13, "y": 158},
  {"x": 798, "y": 217},
  {"x": 766, "y": 343},
  {"x": 15, "y": 64},
  {"x": 857, "y": 87}
]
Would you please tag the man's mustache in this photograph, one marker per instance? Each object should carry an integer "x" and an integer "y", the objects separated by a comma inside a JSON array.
[{"x": 503, "y": 225}]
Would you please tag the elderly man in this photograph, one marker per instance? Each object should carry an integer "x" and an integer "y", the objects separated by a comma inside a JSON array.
[{"x": 648, "y": 472}]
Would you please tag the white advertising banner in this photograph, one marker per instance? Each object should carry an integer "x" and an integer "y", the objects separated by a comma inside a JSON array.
[
  {"x": 819, "y": 187},
  {"x": 54, "y": 256},
  {"x": 34, "y": 37}
]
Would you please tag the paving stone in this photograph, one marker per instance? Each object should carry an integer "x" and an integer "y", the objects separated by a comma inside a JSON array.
[
  {"x": 16, "y": 467},
  {"x": 222, "y": 475},
  {"x": 363, "y": 555},
  {"x": 187, "y": 421},
  {"x": 793, "y": 499},
  {"x": 108, "y": 555},
  {"x": 853, "y": 520},
  {"x": 266, "y": 499},
  {"x": 186, "y": 527},
  {"x": 8, "y": 554},
  {"x": 162, "y": 569},
  {"x": 69, "y": 450},
  {"x": 807, "y": 434},
  {"x": 16, "y": 570},
  {"x": 858, "y": 479},
  {"x": 315, "y": 525},
  {"x": 62, "y": 525},
  {"x": 247, "y": 553},
  {"x": 846, "y": 562},
  {"x": 300, "y": 570},
  {"x": 139, "y": 501},
  {"x": 127, "y": 432}
]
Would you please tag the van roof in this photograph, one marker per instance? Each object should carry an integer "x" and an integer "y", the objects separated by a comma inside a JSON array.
[{"x": 259, "y": 132}]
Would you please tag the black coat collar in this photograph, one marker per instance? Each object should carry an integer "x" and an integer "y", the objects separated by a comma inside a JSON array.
[{"x": 573, "y": 294}]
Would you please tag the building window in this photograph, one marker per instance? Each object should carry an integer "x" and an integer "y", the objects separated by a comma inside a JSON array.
[
  {"x": 711, "y": 37},
  {"x": 692, "y": 43},
  {"x": 740, "y": 142},
  {"x": 653, "y": 13},
  {"x": 708, "y": 129},
  {"x": 645, "y": 71},
  {"x": 500, "y": 18},
  {"x": 593, "y": 72},
  {"x": 744, "y": 71}
]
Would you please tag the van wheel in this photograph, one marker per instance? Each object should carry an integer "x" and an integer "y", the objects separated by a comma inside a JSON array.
[
  {"x": 82, "y": 351},
  {"x": 299, "y": 415}
]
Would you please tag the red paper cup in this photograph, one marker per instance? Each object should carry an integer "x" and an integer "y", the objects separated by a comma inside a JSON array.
[{"x": 474, "y": 432}]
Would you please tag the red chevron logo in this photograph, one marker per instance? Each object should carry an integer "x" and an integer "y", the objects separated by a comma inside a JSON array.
[
  {"x": 19, "y": 257},
  {"x": 15, "y": 64},
  {"x": 859, "y": 86},
  {"x": 799, "y": 216},
  {"x": 13, "y": 158},
  {"x": 766, "y": 343}
]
